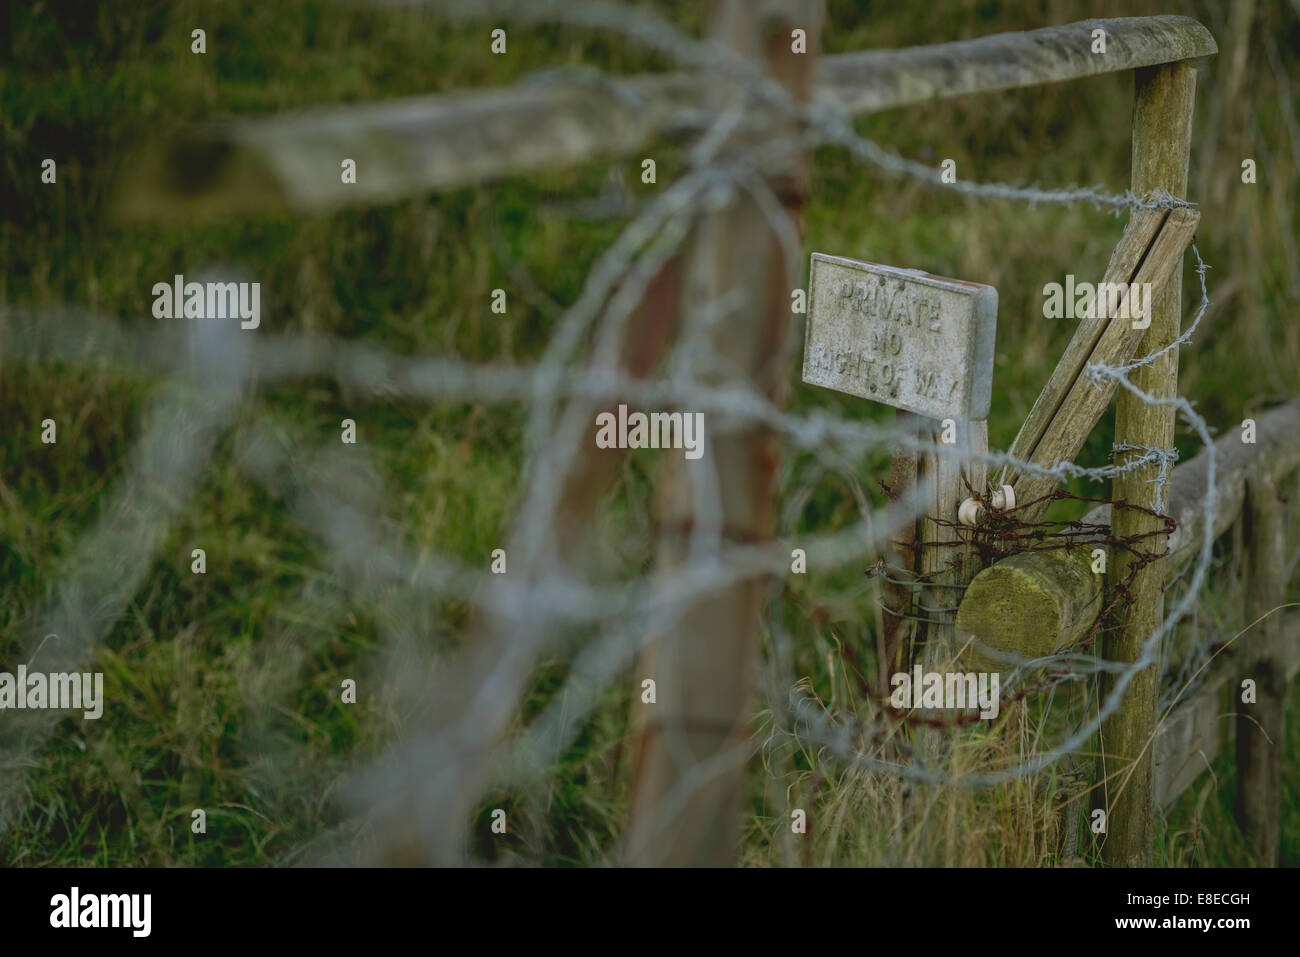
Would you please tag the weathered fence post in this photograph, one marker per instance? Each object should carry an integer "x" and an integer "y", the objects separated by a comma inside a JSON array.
[
  {"x": 948, "y": 565},
  {"x": 1162, "y": 130},
  {"x": 1261, "y": 723},
  {"x": 900, "y": 556},
  {"x": 694, "y": 743}
]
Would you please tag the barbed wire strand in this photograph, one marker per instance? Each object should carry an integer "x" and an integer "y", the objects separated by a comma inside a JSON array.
[{"x": 531, "y": 612}]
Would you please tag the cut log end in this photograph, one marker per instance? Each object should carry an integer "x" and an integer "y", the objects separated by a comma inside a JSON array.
[{"x": 1028, "y": 606}]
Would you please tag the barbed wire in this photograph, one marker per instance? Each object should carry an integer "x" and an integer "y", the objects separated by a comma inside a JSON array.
[{"x": 467, "y": 743}]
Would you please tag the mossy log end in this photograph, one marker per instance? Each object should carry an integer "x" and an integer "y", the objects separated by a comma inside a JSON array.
[{"x": 1028, "y": 606}]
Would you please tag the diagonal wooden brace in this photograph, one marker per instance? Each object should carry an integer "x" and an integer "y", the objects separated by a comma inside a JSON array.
[{"x": 1069, "y": 405}]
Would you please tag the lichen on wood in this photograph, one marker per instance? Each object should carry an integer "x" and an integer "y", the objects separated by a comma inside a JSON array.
[{"x": 1028, "y": 606}]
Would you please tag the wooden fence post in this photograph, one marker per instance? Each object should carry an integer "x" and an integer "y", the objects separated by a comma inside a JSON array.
[
  {"x": 895, "y": 647},
  {"x": 694, "y": 743},
  {"x": 1162, "y": 131},
  {"x": 944, "y": 480},
  {"x": 1261, "y": 724}
]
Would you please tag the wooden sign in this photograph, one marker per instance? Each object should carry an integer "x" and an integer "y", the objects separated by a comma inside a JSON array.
[{"x": 901, "y": 336}]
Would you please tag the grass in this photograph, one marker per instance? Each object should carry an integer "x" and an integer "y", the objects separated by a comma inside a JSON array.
[{"x": 224, "y": 687}]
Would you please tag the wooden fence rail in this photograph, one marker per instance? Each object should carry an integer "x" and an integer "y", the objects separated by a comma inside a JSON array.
[{"x": 425, "y": 144}]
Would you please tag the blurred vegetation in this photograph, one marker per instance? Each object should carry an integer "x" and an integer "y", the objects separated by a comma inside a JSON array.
[{"x": 206, "y": 708}]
